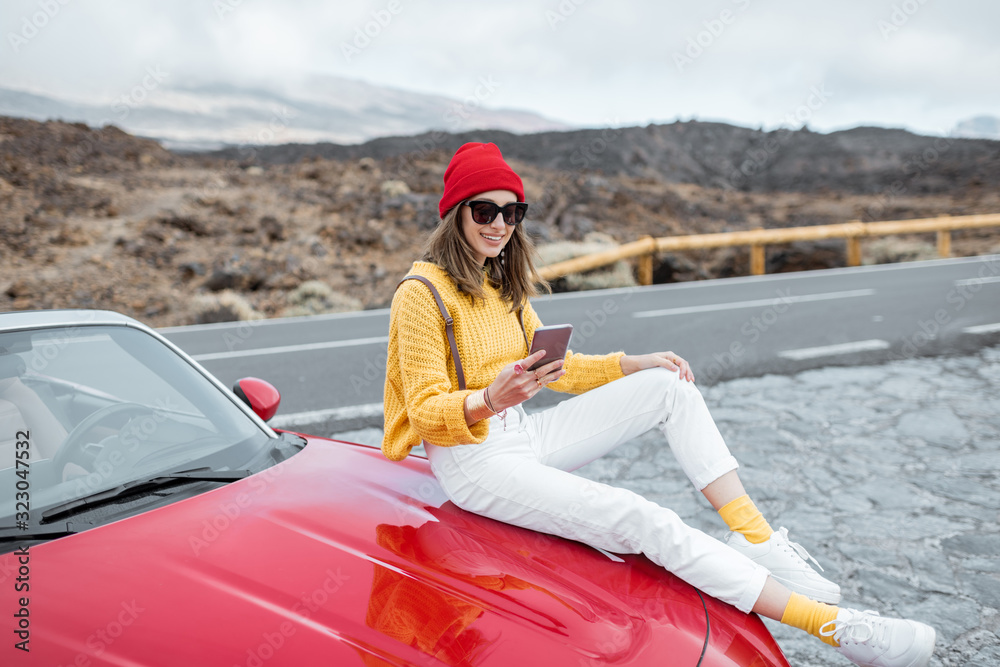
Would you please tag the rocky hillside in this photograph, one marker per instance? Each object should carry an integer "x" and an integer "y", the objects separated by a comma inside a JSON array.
[
  {"x": 99, "y": 218},
  {"x": 864, "y": 160}
]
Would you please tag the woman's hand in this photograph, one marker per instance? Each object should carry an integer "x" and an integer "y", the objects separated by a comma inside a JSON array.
[
  {"x": 516, "y": 384},
  {"x": 632, "y": 363}
]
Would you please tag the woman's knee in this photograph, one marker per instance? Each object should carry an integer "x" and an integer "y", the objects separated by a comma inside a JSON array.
[
  {"x": 666, "y": 381},
  {"x": 675, "y": 394},
  {"x": 657, "y": 379}
]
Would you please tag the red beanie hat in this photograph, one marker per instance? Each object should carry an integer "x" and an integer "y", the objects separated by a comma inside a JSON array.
[{"x": 477, "y": 168}]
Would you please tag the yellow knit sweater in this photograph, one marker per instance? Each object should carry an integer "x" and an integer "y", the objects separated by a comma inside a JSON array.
[{"x": 422, "y": 399}]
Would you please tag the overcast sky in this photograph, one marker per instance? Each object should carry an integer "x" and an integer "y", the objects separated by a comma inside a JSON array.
[{"x": 919, "y": 64}]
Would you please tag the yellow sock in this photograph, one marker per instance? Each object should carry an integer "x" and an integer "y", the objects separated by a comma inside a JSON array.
[
  {"x": 742, "y": 516},
  {"x": 809, "y": 615}
]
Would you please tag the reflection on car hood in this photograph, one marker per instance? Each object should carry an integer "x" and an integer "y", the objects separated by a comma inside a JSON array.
[{"x": 339, "y": 557}]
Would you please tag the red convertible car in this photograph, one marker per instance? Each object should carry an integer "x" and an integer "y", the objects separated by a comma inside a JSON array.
[{"x": 149, "y": 516}]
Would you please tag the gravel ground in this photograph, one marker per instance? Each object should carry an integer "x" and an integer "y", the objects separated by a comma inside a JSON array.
[{"x": 889, "y": 475}]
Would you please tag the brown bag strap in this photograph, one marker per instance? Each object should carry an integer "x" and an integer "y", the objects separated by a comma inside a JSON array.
[
  {"x": 449, "y": 329},
  {"x": 447, "y": 326},
  {"x": 520, "y": 320}
]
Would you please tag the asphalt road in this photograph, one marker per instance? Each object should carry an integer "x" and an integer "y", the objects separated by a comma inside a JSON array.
[{"x": 331, "y": 368}]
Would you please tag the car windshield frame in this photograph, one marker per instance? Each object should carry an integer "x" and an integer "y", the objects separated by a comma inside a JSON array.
[{"x": 220, "y": 432}]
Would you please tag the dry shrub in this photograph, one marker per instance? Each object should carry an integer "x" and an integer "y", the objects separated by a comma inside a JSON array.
[
  {"x": 394, "y": 188},
  {"x": 224, "y": 306},
  {"x": 314, "y": 297},
  {"x": 618, "y": 274},
  {"x": 890, "y": 249}
]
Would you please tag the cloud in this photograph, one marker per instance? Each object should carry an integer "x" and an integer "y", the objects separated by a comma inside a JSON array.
[{"x": 587, "y": 62}]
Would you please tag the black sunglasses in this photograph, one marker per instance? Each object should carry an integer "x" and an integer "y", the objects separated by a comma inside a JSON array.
[{"x": 484, "y": 211}]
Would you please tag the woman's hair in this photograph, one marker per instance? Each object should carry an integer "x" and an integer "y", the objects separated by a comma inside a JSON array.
[{"x": 512, "y": 272}]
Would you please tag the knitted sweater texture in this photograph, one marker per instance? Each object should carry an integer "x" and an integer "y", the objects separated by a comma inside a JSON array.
[{"x": 422, "y": 398}]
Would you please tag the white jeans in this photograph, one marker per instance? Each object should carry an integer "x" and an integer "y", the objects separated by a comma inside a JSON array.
[{"x": 520, "y": 475}]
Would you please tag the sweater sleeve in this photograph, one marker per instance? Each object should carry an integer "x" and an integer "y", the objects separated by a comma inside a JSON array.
[
  {"x": 435, "y": 408},
  {"x": 583, "y": 371}
]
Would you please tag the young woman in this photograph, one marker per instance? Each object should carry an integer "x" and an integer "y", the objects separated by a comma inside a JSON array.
[{"x": 494, "y": 459}]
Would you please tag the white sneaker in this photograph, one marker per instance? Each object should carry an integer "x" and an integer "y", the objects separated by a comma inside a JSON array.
[
  {"x": 786, "y": 561},
  {"x": 868, "y": 640}
]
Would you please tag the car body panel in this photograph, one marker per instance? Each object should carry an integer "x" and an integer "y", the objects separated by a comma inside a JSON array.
[{"x": 337, "y": 556}]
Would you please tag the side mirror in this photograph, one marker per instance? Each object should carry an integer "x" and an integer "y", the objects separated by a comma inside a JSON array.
[{"x": 261, "y": 396}]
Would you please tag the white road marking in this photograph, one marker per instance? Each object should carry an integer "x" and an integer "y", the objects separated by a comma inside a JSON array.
[
  {"x": 977, "y": 281},
  {"x": 830, "y": 350},
  {"x": 281, "y": 349},
  {"x": 253, "y": 324},
  {"x": 982, "y": 328},
  {"x": 318, "y": 416},
  {"x": 756, "y": 303}
]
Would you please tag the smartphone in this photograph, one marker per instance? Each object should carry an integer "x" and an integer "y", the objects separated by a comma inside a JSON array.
[{"x": 554, "y": 339}]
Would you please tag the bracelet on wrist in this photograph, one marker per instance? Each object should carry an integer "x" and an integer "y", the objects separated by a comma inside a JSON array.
[
  {"x": 489, "y": 403},
  {"x": 477, "y": 407}
]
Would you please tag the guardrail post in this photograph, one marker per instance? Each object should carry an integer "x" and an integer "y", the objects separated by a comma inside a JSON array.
[
  {"x": 854, "y": 251},
  {"x": 944, "y": 243},
  {"x": 757, "y": 259},
  {"x": 645, "y": 269}
]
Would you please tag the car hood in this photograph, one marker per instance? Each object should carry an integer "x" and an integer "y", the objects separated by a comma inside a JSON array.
[{"x": 337, "y": 556}]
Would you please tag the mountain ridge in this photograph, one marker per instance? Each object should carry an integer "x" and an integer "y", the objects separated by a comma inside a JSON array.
[
  {"x": 210, "y": 116},
  {"x": 863, "y": 160}
]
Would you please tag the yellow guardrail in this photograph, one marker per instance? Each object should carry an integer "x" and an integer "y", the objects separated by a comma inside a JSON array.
[{"x": 759, "y": 239}]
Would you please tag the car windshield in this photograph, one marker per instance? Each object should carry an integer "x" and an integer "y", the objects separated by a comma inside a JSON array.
[{"x": 87, "y": 408}]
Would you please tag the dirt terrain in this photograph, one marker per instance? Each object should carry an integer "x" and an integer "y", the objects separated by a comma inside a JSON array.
[{"x": 98, "y": 218}]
